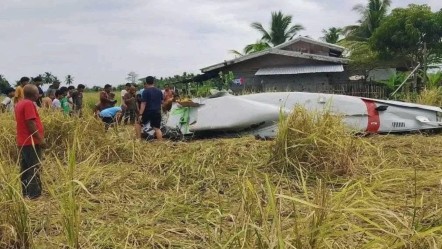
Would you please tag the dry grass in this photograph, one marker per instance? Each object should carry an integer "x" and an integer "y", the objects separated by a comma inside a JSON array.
[{"x": 108, "y": 191}]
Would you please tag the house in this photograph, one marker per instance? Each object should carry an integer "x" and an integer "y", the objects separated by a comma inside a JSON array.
[{"x": 301, "y": 64}]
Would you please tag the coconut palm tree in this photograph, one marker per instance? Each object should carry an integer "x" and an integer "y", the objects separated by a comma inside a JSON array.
[
  {"x": 48, "y": 78},
  {"x": 332, "y": 35},
  {"x": 69, "y": 80},
  {"x": 371, "y": 17},
  {"x": 281, "y": 29},
  {"x": 252, "y": 48}
]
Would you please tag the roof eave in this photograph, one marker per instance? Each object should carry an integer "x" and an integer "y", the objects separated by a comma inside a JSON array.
[
  {"x": 234, "y": 61},
  {"x": 312, "y": 41}
]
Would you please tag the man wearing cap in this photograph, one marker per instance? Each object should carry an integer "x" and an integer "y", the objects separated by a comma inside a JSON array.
[
  {"x": 150, "y": 110},
  {"x": 8, "y": 103},
  {"x": 19, "y": 95}
]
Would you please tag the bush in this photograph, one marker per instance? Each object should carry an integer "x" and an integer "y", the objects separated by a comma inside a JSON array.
[{"x": 318, "y": 142}]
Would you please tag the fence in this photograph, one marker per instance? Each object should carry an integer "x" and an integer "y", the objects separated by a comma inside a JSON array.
[{"x": 360, "y": 88}]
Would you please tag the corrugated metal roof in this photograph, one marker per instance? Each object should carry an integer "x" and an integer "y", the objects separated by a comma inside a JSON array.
[{"x": 300, "y": 70}]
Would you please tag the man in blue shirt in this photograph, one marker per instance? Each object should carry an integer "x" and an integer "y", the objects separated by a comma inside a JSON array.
[
  {"x": 110, "y": 115},
  {"x": 150, "y": 110}
]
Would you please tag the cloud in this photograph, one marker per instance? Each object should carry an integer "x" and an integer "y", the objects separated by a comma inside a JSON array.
[{"x": 100, "y": 41}]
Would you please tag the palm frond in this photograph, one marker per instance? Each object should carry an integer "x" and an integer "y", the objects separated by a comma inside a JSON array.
[{"x": 258, "y": 26}]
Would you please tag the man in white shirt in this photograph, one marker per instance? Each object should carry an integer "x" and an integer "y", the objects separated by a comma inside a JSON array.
[
  {"x": 8, "y": 103},
  {"x": 124, "y": 91}
]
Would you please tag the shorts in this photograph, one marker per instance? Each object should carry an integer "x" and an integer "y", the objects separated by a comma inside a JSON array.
[
  {"x": 107, "y": 120},
  {"x": 152, "y": 117},
  {"x": 130, "y": 115}
]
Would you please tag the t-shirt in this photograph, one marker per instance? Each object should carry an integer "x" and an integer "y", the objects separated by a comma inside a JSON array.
[
  {"x": 26, "y": 110},
  {"x": 77, "y": 99},
  {"x": 19, "y": 94},
  {"x": 56, "y": 104},
  {"x": 153, "y": 97},
  {"x": 110, "y": 112},
  {"x": 9, "y": 104},
  {"x": 131, "y": 102},
  {"x": 41, "y": 93},
  {"x": 65, "y": 105},
  {"x": 123, "y": 92}
]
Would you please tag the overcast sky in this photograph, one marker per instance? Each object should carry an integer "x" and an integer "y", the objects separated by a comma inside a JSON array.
[{"x": 100, "y": 41}]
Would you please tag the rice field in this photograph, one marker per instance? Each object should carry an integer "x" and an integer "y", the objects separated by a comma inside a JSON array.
[{"x": 315, "y": 186}]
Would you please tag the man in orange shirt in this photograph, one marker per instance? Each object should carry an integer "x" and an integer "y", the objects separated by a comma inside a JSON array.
[
  {"x": 30, "y": 140},
  {"x": 19, "y": 95}
]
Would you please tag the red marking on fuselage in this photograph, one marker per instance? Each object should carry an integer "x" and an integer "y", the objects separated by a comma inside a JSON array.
[{"x": 373, "y": 117}]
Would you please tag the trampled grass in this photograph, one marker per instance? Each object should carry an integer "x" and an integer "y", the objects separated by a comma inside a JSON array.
[{"x": 105, "y": 190}]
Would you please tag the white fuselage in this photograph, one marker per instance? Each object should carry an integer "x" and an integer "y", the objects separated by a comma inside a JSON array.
[{"x": 259, "y": 113}]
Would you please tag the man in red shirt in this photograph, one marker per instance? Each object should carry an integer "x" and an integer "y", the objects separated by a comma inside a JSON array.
[{"x": 30, "y": 140}]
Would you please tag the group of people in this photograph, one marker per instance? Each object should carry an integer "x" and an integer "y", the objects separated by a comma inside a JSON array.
[
  {"x": 140, "y": 109},
  {"x": 66, "y": 99}
]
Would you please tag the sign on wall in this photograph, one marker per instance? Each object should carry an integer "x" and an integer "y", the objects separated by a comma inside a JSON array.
[{"x": 239, "y": 81}]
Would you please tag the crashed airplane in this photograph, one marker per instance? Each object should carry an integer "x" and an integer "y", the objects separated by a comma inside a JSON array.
[{"x": 258, "y": 114}]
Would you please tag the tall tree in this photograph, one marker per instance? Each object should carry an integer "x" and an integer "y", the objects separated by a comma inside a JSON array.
[
  {"x": 132, "y": 77},
  {"x": 332, "y": 35},
  {"x": 372, "y": 16},
  {"x": 3, "y": 83},
  {"x": 48, "y": 78},
  {"x": 69, "y": 80},
  {"x": 281, "y": 29},
  {"x": 412, "y": 35}
]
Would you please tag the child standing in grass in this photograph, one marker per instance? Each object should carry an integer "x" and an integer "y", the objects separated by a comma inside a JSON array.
[
  {"x": 30, "y": 140},
  {"x": 65, "y": 101}
]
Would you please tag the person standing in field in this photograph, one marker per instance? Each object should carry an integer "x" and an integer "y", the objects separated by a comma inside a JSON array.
[
  {"x": 69, "y": 96},
  {"x": 46, "y": 102},
  {"x": 65, "y": 101},
  {"x": 105, "y": 99},
  {"x": 150, "y": 111},
  {"x": 131, "y": 107},
  {"x": 77, "y": 99},
  {"x": 124, "y": 91},
  {"x": 30, "y": 140},
  {"x": 37, "y": 81},
  {"x": 19, "y": 94},
  {"x": 56, "y": 103},
  {"x": 53, "y": 88},
  {"x": 8, "y": 103}
]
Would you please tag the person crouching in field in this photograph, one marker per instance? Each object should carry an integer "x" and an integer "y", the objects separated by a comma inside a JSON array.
[
  {"x": 30, "y": 140},
  {"x": 8, "y": 103},
  {"x": 131, "y": 107},
  {"x": 110, "y": 116}
]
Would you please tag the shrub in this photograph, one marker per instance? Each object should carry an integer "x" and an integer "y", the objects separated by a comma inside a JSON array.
[{"x": 317, "y": 142}]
